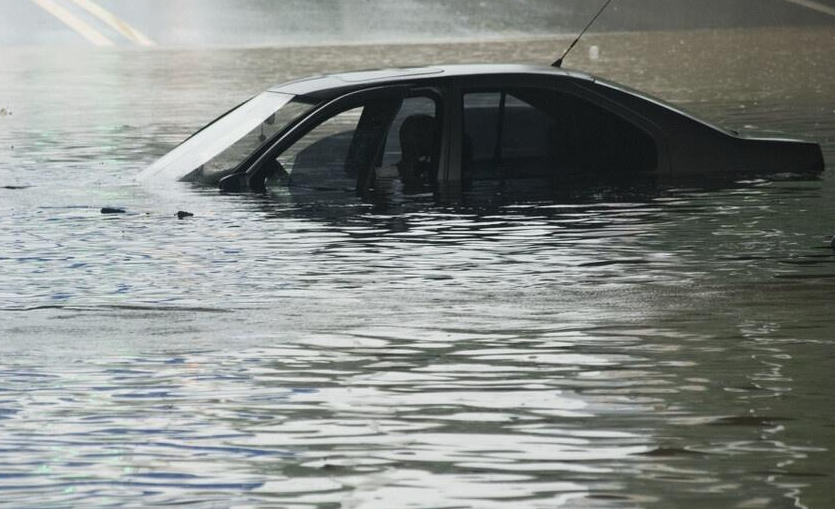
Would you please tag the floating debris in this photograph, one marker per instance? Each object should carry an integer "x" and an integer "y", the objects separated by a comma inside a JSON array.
[
  {"x": 15, "y": 188},
  {"x": 112, "y": 210},
  {"x": 748, "y": 420},
  {"x": 5, "y": 111},
  {"x": 665, "y": 452},
  {"x": 182, "y": 214}
]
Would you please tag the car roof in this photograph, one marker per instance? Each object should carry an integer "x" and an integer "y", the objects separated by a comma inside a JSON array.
[{"x": 332, "y": 84}]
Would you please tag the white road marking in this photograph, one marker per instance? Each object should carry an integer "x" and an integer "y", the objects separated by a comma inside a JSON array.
[
  {"x": 74, "y": 22},
  {"x": 114, "y": 22},
  {"x": 815, "y": 6}
]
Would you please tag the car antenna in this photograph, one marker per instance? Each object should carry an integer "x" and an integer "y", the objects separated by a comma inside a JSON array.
[{"x": 558, "y": 63}]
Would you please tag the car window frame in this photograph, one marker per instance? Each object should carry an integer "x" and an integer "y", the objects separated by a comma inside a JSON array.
[
  {"x": 497, "y": 157},
  {"x": 252, "y": 173},
  {"x": 564, "y": 85}
]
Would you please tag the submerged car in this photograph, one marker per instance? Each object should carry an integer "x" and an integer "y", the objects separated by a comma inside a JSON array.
[{"x": 435, "y": 127}]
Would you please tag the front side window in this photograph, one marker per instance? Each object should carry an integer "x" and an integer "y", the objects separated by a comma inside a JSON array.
[
  {"x": 318, "y": 159},
  {"x": 412, "y": 146},
  {"x": 365, "y": 147}
]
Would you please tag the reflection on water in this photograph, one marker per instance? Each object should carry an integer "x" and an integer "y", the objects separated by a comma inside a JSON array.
[{"x": 607, "y": 349}]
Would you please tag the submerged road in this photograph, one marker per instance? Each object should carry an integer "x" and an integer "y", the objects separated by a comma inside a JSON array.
[{"x": 188, "y": 23}]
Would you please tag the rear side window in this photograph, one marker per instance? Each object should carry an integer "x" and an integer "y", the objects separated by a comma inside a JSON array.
[
  {"x": 481, "y": 129},
  {"x": 520, "y": 133}
]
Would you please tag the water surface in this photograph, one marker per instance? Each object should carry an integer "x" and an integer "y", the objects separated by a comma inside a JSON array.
[{"x": 609, "y": 351}]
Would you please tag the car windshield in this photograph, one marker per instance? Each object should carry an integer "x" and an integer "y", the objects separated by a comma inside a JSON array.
[{"x": 219, "y": 147}]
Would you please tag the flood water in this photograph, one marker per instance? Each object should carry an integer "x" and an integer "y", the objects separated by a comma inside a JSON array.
[{"x": 659, "y": 351}]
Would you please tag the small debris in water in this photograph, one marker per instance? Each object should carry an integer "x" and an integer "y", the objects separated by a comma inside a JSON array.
[
  {"x": 112, "y": 210},
  {"x": 594, "y": 52},
  {"x": 670, "y": 452},
  {"x": 5, "y": 111},
  {"x": 15, "y": 188},
  {"x": 182, "y": 214},
  {"x": 748, "y": 420}
]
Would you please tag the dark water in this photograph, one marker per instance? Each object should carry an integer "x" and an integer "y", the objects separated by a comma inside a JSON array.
[{"x": 671, "y": 350}]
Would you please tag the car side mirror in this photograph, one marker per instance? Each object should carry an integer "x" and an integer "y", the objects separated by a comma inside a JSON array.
[{"x": 234, "y": 183}]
